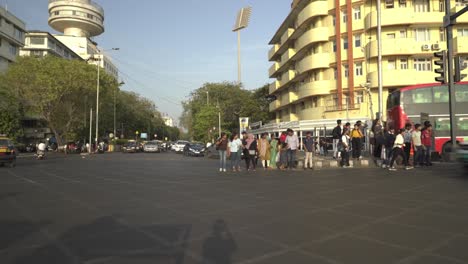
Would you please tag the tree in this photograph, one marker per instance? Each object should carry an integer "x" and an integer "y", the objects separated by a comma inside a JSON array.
[
  {"x": 201, "y": 111},
  {"x": 54, "y": 89},
  {"x": 10, "y": 113}
]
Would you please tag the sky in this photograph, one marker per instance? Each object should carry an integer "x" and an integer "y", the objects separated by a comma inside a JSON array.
[{"x": 170, "y": 48}]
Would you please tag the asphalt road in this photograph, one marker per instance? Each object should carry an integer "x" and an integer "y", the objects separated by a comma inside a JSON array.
[{"x": 166, "y": 208}]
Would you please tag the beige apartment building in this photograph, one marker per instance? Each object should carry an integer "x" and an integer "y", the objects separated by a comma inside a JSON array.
[
  {"x": 41, "y": 43},
  {"x": 11, "y": 38},
  {"x": 324, "y": 55}
]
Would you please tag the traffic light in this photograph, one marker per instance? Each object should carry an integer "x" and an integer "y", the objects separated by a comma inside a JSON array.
[
  {"x": 460, "y": 65},
  {"x": 442, "y": 63}
]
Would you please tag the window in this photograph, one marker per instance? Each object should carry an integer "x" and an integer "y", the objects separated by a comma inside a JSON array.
[
  {"x": 36, "y": 41},
  {"x": 460, "y": 3},
  {"x": 18, "y": 33},
  {"x": 442, "y": 34},
  {"x": 422, "y": 34},
  {"x": 391, "y": 65},
  {"x": 441, "y": 6},
  {"x": 404, "y": 64},
  {"x": 13, "y": 50},
  {"x": 422, "y": 96},
  {"x": 345, "y": 43},
  {"x": 461, "y": 93},
  {"x": 357, "y": 12},
  {"x": 335, "y": 73},
  {"x": 37, "y": 53},
  {"x": 334, "y": 20},
  {"x": 358, "y": 97},
  {"x": 357, "y": 40},
  {"x": 421, "y": 5},
  {"x": 315, "y": 103},
  {"x": 389, "y": 3},
  {"x": 403, "y": 34},
  {"x": 422, "y": 64},
  {"x": 345, "y": 17},
  {"x": 440, "y": 94},
  {"x": 334, "y": 45},
  {"x": 90, "y": 16},
  {"x": 358, "y": 68},
  {"x": 346, "y": 71},
  {"x": 462, "y": 32},
  {"x": 402, "y": 3},
  {"x": 391, "y": 35}
]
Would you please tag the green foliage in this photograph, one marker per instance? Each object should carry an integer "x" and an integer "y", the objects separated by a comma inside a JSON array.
[
  {"x": 10, "y": 113},
  {"x": 200, "y": 113}
]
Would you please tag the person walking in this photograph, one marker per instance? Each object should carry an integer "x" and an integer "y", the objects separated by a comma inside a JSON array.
[
  {"x": 283, "y": 151},
  {"x": 264, "y": 153},
  {"x": 417, "y": 145},
  {"x": 356, "y": 140},
  {"x": 336, "y": 134},
  {"x": 379, "y": 139},
  {"x": 222, "y": 146},
  {"x": 273, "y": 152},
  {"x": 407, "y": 136},
  {"x": 398, "y": 150},
  {"x": 251, "y": 157},
  {"x": 344, "y": 146},
  {"x": 292, "y": 143},
  {"x": 426, "y": 140},
  {"x": 309, "y": 146},
  {"x": 235, "y": 150}
]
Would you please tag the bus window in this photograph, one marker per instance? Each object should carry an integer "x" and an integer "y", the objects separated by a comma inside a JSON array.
[
  {"x": 462, "y": 123},
  {"x": 440, "y": 94},
  {"x": 442, "y": 124},
  {"x": 393, "y": 100},
  {"x": 407, "y": 97},
  {"x": 461, "y": 93},
  {"x": 422, "y": 96}
]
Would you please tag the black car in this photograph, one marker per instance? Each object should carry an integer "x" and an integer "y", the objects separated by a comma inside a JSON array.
[
  {"x": 130, "y": 147},
  {"x": 194, "y": 149}
]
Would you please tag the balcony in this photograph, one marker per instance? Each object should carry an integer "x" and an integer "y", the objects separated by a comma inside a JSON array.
[
  {"x": 273, "y": 69},
  {"x": 316, "y": 8},
  {"x": 322, "y": 87},
  {"x": 401, "y": 77},
  {"x": 406, "y": 16},
  {"x": 286, "y": 35},
  {"x": 287, "y": 56},
  {"x": 273, "y": 87},
  {"x": 272, "y": 52},
  {"x": 287, "y": 77},
  {"x": 314, "y": 61},
  {"x": 460, "y": 44},
  {"x": 314, "y": 35},
  {"x": 274, "y": 105},
  {"x": 403, "y": 46}
]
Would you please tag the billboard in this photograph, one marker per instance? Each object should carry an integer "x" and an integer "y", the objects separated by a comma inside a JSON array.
[{"x": 243, "y": 124}]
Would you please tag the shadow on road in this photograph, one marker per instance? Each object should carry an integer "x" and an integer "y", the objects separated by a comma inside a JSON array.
[
  {"x": 220, "y": 245},
  {"x": 15, "y": 231},
  {"x": 107, "y": 239}
]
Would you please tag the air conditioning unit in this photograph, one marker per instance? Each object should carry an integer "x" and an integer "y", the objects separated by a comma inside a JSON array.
[
  {"x": 436, "y": 46},
  {"x": 425, "y": 47}
]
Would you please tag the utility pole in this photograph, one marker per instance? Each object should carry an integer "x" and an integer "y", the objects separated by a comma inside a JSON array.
[
  {"x": 379, "y": 57},
  {"x": 449, "y": 21},
  {"x": 90, "y": 130},
  {"x": 97, "y": 100}
]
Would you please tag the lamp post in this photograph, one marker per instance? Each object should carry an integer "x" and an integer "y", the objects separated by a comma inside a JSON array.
[
  {"x": 115, "y": 110},
  {"x": 99, "y": 53},
  {"x": 242, "y": 21}
]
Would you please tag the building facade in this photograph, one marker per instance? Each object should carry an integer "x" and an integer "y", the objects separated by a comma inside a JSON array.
[
  {"x": 325, "y": 55},
  {"x": 80, "y": 21},
  {"x": 41, "y": 43},
  {"x": 11, "y": 38}
]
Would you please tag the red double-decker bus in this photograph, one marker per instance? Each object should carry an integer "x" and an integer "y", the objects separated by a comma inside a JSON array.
[{"x": 406, "y": 105}]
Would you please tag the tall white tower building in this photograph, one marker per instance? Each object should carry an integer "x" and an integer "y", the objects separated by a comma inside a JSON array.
[
  {"x": 79, "y": 18},
  {"x": 79, "y": 21}
]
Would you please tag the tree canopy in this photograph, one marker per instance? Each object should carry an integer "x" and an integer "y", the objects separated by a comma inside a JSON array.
[{"x": 200, "y": 114}]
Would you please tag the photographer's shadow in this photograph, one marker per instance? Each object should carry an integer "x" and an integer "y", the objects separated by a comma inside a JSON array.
[{"x": 219, "y": 247}]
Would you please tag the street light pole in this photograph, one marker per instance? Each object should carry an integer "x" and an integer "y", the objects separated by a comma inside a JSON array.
[
  {"x": 97, "y": 101},
  {"x": 379, "y": 57},
  {"x": 242, "y": 21},
  {"x": 239, "y": 69}
]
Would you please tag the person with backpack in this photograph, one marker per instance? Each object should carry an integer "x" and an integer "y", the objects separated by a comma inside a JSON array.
[
  {"x": 336, "y": 134},
  {"x": 398, "y": 150}
]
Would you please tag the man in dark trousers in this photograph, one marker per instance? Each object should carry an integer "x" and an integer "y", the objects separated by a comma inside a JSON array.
[{"x": 336, "y": 134}]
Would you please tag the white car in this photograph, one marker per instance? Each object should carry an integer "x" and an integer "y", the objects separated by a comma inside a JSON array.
[
  {"x": 151, "y": 147},
  {"x": 179, "y": 146}
]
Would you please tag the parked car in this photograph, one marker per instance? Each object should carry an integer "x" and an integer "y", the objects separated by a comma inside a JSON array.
[
  {"x": 194, "y": 149},
  {"x": 179, "y": 146},
  {"x": 152, "y": 146},
  {"x": 462, "y": 153},
  {"x": 130, "y": 147},
  {"x": 7, "y": 152}
]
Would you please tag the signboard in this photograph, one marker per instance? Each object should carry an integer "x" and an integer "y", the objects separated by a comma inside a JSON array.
[
  {"x": 144, "y": 136},
  {"x": 243, "y": 124},
  {"x": 256, "y": 125}
]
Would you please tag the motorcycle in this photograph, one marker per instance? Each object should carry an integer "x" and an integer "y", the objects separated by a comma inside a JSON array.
[
  {"x": 40, "y": 155},
  {"x": 101, "y": 148}
]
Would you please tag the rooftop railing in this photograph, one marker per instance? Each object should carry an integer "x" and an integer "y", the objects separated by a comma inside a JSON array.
[{"x": 96, "y": 5}]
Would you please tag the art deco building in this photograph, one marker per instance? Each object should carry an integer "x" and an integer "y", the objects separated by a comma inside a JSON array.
[{"x": 11, "y": 38}]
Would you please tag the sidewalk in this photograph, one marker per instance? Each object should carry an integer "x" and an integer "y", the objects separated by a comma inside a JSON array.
[{"x": 322, "y": 162}]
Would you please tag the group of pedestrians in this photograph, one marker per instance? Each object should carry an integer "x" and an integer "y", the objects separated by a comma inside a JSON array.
[
  {"x": 390, "y": 144},
  {"x": 271, "y": 153},
  {"x": 348, "y": 141}
]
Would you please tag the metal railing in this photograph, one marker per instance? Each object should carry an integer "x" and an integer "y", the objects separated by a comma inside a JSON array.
[{"x": 88, "y": 2}]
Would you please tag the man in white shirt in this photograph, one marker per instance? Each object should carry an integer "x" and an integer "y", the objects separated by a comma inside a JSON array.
[
  {"x": 292, "y": 144},
  {"x": 417, "y": 144}
]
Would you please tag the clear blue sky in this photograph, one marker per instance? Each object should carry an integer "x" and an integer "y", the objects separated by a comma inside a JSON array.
[{"x": 169, "y": 48}]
